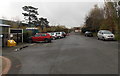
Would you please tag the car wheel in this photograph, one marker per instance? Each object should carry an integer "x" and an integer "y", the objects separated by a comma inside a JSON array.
[
  {"x": 49, "y": 41},
  {"x": 53, "y": 38},
  {"x": 98, "y": 38},
  {"x": 59, "y": 37},
  {"x": 46, "y": 40},
  {"x": 103, "y": 39}
]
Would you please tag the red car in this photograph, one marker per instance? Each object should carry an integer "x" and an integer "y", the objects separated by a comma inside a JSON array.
[{"x": 41, "y": 37}]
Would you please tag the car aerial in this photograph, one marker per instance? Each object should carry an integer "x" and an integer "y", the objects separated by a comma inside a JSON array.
[
  {"x": 40, "y": 37},
  {"x": 88, "y": 34},
  {"x": 105, "y": 35}
]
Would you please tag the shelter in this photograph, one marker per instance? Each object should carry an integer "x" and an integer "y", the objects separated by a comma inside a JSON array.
[{"x": 4, "y": 34}]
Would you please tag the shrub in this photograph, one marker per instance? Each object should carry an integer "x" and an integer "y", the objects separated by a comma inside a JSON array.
[
  {"x": 117, "y": 36},
  {"x": 26, "y": 35}
]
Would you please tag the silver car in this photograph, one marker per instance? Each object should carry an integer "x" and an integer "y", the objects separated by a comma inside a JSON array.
[{"x": 105, "y": 35}]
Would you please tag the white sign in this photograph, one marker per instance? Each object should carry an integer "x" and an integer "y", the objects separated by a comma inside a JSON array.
[
  {"x": 1, "y": 35},
  {"x": 11, "y": 35}
]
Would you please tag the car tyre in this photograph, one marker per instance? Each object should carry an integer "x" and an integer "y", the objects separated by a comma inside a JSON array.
[
  {"x": 98, "y": 38},
  {"x": 50, "y": 41},
  {"x": 53, "y": 38},
  {"x": 103, "y": 39},
  {"x": 46, "y": 40},
  {"x": 59, "y": 37}
]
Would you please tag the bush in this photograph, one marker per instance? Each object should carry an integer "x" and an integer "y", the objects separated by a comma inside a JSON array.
[
  {"x": 117, "y": 36},
  {"x": 26, "y": 35},
  {"x": 94, "y": 34}
]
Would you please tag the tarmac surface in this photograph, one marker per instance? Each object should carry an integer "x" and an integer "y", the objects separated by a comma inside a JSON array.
[{"x": 75, "y": 54}]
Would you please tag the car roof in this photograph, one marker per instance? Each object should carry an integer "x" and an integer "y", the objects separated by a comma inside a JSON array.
[
  {"x": 88, "y": 32},
  {"x": 104, "y": 30},
  {"x": 42, "y": 33}
]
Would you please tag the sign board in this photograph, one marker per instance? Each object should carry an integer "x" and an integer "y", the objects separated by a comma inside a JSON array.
[
  {"x": 15, "y": 31},
  {"x": 18, "y": 32}
]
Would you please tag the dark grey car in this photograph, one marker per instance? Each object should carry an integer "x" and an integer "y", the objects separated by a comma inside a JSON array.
[{"x": 88, "y": 34}]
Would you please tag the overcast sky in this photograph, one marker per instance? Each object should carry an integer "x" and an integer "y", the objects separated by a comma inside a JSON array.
[{"x": 70, "y": 13}]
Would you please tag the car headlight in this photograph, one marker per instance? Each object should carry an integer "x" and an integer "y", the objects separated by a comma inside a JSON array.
[{"x": 111, "y": 36}]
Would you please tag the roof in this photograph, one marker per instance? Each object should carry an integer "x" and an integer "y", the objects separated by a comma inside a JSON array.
[{"x": 4, "y": 25}]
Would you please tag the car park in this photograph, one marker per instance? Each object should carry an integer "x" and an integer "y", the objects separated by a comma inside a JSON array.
[
  {"x": 88, "y": 34},
  {"x": 40, "y": 37},
  {"x": 105, "y": 35}
]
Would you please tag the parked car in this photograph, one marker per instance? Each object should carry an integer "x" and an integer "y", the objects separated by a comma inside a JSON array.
[
  {"x": 88, "y": 34},
  {"x": 105, "y": 35},
  {"x": 40, "y": 37},
  {"x": 64, "y": 34},
  {"x": 50, "y": 34},
  {"x": 60, "y": 35},
  {"x": 53, "y": 34}
]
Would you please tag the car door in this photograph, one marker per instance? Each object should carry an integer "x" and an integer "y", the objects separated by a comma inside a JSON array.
[
  {"x": 36, "y": 37},
  {"x": 43, "y": 36},
  {"x": 99, "y": 34}
]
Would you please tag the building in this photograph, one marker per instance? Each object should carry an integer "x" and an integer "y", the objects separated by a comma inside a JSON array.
[
  {"x": 77, "y": 29},
  {"x": 4, "y": 34}
]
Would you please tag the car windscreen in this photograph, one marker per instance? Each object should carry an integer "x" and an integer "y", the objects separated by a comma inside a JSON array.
[
  {"x": 37, "y": 35},
  {"x": 43, "y": 34},
  {"x": 107, "y": 32},
  {"x": 87, "y": 32}
]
